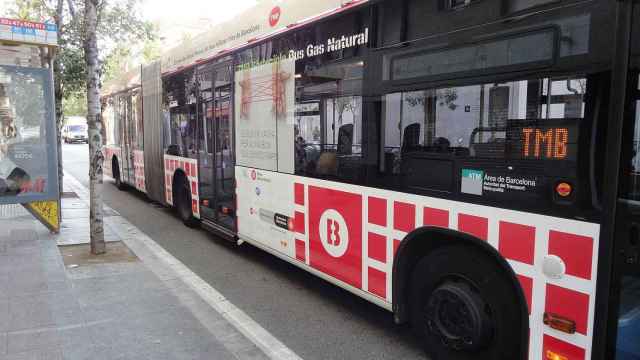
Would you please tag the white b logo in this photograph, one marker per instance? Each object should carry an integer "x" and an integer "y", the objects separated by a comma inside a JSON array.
[{"x": 334, "y": 233}]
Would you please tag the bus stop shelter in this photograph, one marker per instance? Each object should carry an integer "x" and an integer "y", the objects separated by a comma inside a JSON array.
[{"x": 28, "y": 146}]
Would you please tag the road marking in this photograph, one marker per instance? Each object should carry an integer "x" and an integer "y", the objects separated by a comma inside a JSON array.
[{"x": 269, "y": 344}]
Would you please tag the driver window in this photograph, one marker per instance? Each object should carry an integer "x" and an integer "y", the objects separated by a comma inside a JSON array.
[{"x": 510, "y": 120}]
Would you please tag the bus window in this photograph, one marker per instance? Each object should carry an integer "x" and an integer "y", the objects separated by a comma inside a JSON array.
[
  {"x": 520, "y": 120},
  {"x": 627, "y": 346},
  {"x": 180, "y": 100},
  {"x": 328, "y": 129}
]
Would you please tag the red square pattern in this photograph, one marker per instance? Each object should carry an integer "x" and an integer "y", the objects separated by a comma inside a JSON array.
[
  {"x": 300, "y": 250},
  {"x": 396, "y": 245},
  {"x": 527, "y": 288},
  {"x": 298, "y": 194},
  {"x": 187, "y": 169},
  {"x": 377, "y": 282},
  {"x": 194, "y": 171},
  {"x": 377, "y": 211},
  {"x": 576, "y": 252},
  {"x": 404, "y": 216},
  {"x": 298, "y": 222},
  {"x": 377, "y": 247},
  {"x": 568, "y": 351},
  {"x": 569, "y": 304},
  {"x": 474, "y": 225},
  {"x": 194, "y": 206},
  {"x": 436, "y": 217},
  {"x": 517, "y": 242},
  {"x": 194, "y": 188},
  {"x": 344, "y": 210}
]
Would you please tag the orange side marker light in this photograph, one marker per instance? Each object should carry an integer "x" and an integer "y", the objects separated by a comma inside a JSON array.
[
  {"x": 559, "y": 323},
  {"x": 550, "y": 355}
]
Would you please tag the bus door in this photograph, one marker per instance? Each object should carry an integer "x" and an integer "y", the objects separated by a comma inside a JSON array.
[
  {"x": 124, "y": 103},
  {"x": 216, "y": 156},
  {"x": 127, "y": 151},
  {"x": 627, "y": 242},
  {"x": 224, "y": 159}
]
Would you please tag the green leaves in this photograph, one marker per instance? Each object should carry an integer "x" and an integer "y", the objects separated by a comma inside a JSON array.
[{"x": 120, "y": 24}]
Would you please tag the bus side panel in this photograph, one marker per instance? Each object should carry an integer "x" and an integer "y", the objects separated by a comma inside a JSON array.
[
  {"x": 189, "y": 167},
  {"x": 138, "y": 170},
  {"x": 350, "y": 233},
  {"x": 153, "y": 124}
]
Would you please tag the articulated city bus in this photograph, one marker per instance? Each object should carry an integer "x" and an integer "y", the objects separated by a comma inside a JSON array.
[{"x": 469, "y": 165}]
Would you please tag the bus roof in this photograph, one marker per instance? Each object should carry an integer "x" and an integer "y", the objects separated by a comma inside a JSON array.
[{"x": 265, "y": 19}]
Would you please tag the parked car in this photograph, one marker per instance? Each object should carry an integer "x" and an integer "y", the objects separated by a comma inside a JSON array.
[{"x": 75, "y": 133}]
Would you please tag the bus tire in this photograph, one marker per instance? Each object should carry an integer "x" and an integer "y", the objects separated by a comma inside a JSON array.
[
  {"x": 183, "y": 202},
  {"x": 462, "y": 306},
  {"x": 116, "y": 175}
]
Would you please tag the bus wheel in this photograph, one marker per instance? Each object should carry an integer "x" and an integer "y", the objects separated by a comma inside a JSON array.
[
  {"x": 116, "y": 175},
  {"x": 183, "y": 202},
  {"x": 463, "y": 306}
]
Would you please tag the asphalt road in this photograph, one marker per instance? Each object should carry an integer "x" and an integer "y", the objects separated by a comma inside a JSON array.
[{"x": 315, "y": 319}]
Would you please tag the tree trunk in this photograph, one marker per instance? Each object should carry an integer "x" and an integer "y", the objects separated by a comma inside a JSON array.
[{"x": 94, "y": 120}]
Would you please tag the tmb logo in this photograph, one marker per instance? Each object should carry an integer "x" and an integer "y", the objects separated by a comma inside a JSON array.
[
  {"x": 334, "y": 233},
  {"x": 274, "y": 17}
]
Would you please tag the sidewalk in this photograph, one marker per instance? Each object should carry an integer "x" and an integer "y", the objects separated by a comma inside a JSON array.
[{"x": 137, "y": 303}]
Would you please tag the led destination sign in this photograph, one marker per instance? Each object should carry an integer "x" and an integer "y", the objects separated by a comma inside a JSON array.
[
  {"x": 530, "y": 139},
  {"x": 542, "y": 142},
  {"x": 547, "y": 143}
]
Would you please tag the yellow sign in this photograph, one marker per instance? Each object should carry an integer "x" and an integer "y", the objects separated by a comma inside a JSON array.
[{"x": 46, "y": 212}]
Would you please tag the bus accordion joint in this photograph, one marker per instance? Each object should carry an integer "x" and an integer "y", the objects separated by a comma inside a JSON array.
[{"x": 559, "y": 323}]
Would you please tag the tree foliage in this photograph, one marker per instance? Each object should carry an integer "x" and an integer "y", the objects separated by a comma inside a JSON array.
[{"x": 119, "y": 25}]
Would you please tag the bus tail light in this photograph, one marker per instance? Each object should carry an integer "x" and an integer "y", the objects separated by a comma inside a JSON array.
[
  {"x": 550, "y": 355},
  {"x": 559, "y": 323}
]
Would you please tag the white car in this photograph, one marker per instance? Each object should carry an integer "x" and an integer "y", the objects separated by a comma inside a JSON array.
[{"x": 75, "y": 133}]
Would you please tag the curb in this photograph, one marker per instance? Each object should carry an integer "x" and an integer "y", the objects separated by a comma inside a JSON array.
[{"x": 168, "y": 268}]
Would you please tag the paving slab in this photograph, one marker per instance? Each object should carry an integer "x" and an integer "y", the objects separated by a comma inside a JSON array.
[{"x": 58, "y": 302}]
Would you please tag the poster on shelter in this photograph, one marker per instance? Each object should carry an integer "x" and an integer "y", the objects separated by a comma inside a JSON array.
[{"x": 26, "y": 146}]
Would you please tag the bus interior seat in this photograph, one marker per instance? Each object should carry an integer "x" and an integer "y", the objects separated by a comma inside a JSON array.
[
  {"x": 492, "y": 148},
  {"x": 345, "y": 139},
  {"x": 441, "y": 144},
  {"x": 411, "y": 137}
]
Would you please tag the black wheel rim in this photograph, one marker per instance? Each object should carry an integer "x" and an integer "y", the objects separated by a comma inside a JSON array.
[{"x": 457, "y": 316}]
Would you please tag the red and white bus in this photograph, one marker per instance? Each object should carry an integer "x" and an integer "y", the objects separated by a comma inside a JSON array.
[{"x": 468, "y": 165}]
